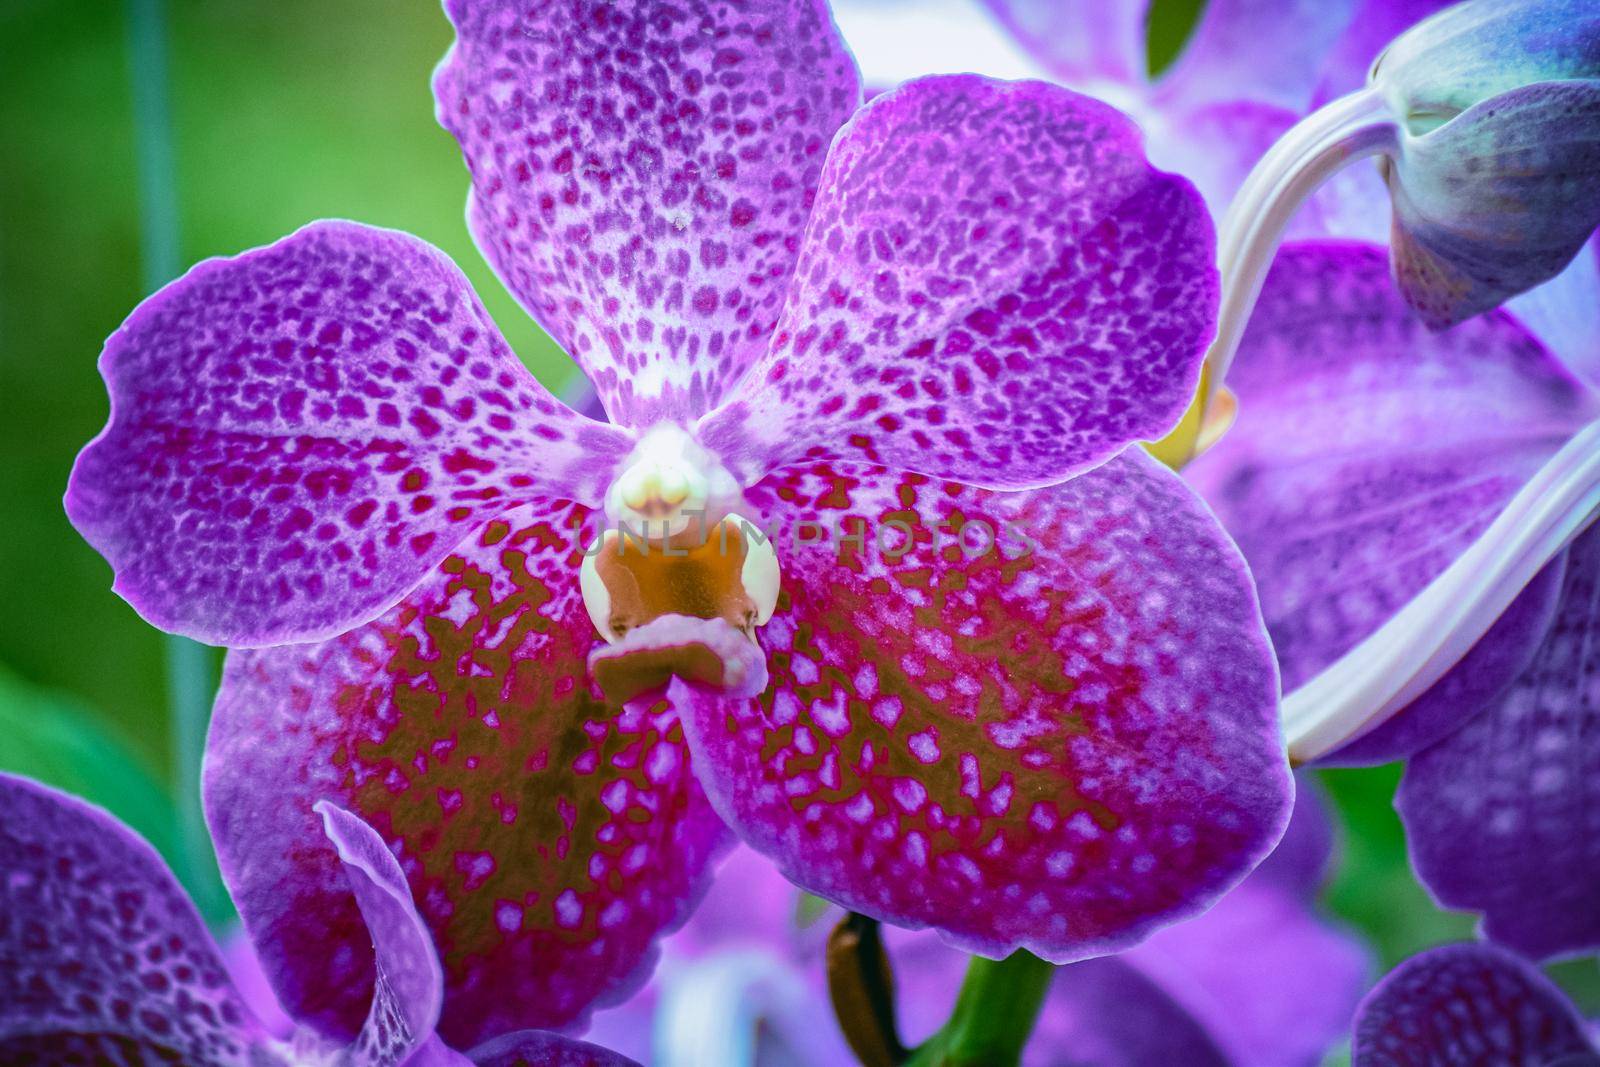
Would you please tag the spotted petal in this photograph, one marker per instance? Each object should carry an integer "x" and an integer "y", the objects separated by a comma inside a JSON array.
[
  {"x": 102, "y": 955},
  {"x": 995, "y": 287},
  {"x": 300, "y": 433},
  {"x": 1059, "y": 743},
  {"x": 534, "y": 1048},
  {"x": 641, "y": 174},
  {"x": 1501, "y": 814},
  {"x": 546, "y": 838},
  {"x": 1467, "y": 1004},
  {"x": 1369, "y": 451}
]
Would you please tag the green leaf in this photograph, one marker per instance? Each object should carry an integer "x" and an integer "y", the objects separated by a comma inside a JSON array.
[{"x": 49, "y": 736}]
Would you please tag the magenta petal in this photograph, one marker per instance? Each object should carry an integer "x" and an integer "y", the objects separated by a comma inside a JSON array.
[
  {"x": 1500, "y": 655},
  {"x": 994, "y": 287},
  {"x": 1369, "y": 451},
  {"x": 408, "y": 987},
  {"x": 1501, "y": 814},
  {"x": 1060, "y": 743},
  {"x": 300, "y": 433},
  {"x": 101, "y": 952},
  {"x": 641, "y": 174},
  {"x": 546, "y": 838},
  {"x": 1466, "y": 1004},
  {"x": 1080, "y": 41}
]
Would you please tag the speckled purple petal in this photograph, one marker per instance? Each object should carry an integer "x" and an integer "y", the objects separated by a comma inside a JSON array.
[
  {"x": 1368, "y": 450},
  {"x": 1060, "y": 743},
  {"x": 102, "y": 955},
  {"x": 1466, "y": 1004},
  {"x": 1500, "y": 655},
  {"x": 1080, "y": 41},
  {"x": 1268, "y": 51},
  {"x": 1502, "y": 814},
  {"x": 300, "y": 433},
  {"x": 995, "y": 287},
  {"x": 641, "y": 174},
  {"x": 535, "y": 1048},
  {"x": 408, "y": 987},
  {"x": 546, "y": 838}
]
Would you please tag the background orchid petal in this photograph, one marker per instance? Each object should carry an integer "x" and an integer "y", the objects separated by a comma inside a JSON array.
[
  {"x": 1465, "y": 1004},
  {"x": 1343, "y": 69},
  {"x": 1080, "y": 42},
  {"x": 994, "y": 287},
  {"x": 536, "y": 1048},
  {"x": 298, "y": 434},
  {"x": 1502, "y": 654},
  {"x": 1059, "y": 747},
  {"x": 1500, "y": 815},
  {"x": 1285, "y": 40},
  {"x": 408, "y": 987},
  {"x": 102, "y": 954},
  {"x": 1553, "y": 311},
  {"x": 1214, "y": 145},
  {"x": 1369, "y": 451},
  {"x": 547, "y": 840},
  {"x": 641, "y": 174}
]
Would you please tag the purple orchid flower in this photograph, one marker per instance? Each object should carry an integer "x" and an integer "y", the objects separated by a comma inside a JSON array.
[
  {"x": 1469, "y": 1004},
  {"x": 104, "y": 960},
  {"x": 922, "y": 314},
  {"x": 1417, "y": 508},
  {"x": 1257, "y": 981}
]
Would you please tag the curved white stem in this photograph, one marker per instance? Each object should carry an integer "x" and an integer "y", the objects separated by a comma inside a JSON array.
[
  {"x": 1411, "y": 651},
  {"x": 1324, "y": 142}
]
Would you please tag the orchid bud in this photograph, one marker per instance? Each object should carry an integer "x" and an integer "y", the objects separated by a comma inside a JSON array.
[{"x": 1494, "y": 171}]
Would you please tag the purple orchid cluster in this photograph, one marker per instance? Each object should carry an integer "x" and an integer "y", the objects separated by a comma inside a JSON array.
[{"x": 508, "y": 682}]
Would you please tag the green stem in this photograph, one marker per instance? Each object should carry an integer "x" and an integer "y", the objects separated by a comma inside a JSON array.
[
  {"x": 190, "y": 677},
  {"x": 993, "y": 1016}
]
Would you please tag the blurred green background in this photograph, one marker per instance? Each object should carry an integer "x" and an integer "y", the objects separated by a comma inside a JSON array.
[{"x": 280, "y": 113}]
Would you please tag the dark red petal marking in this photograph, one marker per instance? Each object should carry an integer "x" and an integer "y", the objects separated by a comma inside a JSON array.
[
  {"x": 547, "y": 839},
  {"x": 1060, "y": 750},
  {"x": 641, "y": 174}
]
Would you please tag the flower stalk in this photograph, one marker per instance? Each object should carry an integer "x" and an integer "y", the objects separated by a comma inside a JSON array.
[
  {"x": 1316, "y": 148},
  {"x": 994, "y": 1014},
  {"x": 1414, "y": 649}
]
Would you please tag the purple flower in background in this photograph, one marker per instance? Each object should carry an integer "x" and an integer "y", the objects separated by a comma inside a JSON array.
[
  {"x": 103, "y": 958},
  {"x": 1257, "y": 981},
  {"x": 1371, "y": 456},
  {"x": 921, "y": 315},
  {"x": 1469, "y": 1004}
]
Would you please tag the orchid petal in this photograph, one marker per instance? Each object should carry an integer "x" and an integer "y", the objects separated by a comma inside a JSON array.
[
  {"x": 547, "y": 839},
  {"x": 1500, "y": 655},
  {"x": 1060, "y": 743},
  {"x": 1500, "y": 814},
  {"x": 300, "y": 433},
  {"x": 640, "y": 174},
  {"x": 1214, "y": 145},
  {"x": 1081, "y": 42},
  {"x": 408, "y": 987},
  {"x": 1465, "y": 1004},
  {"x": 994, "y": 287},
  {"x": 1368, "y": 451},
  {"x": 1286, "y": 41},
  {"x": 102, "y": 955},
  {"x": 1343, "y": 69},
  {"x": 897, "y": 40},
  {"x": 1554, "y": 311}
]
